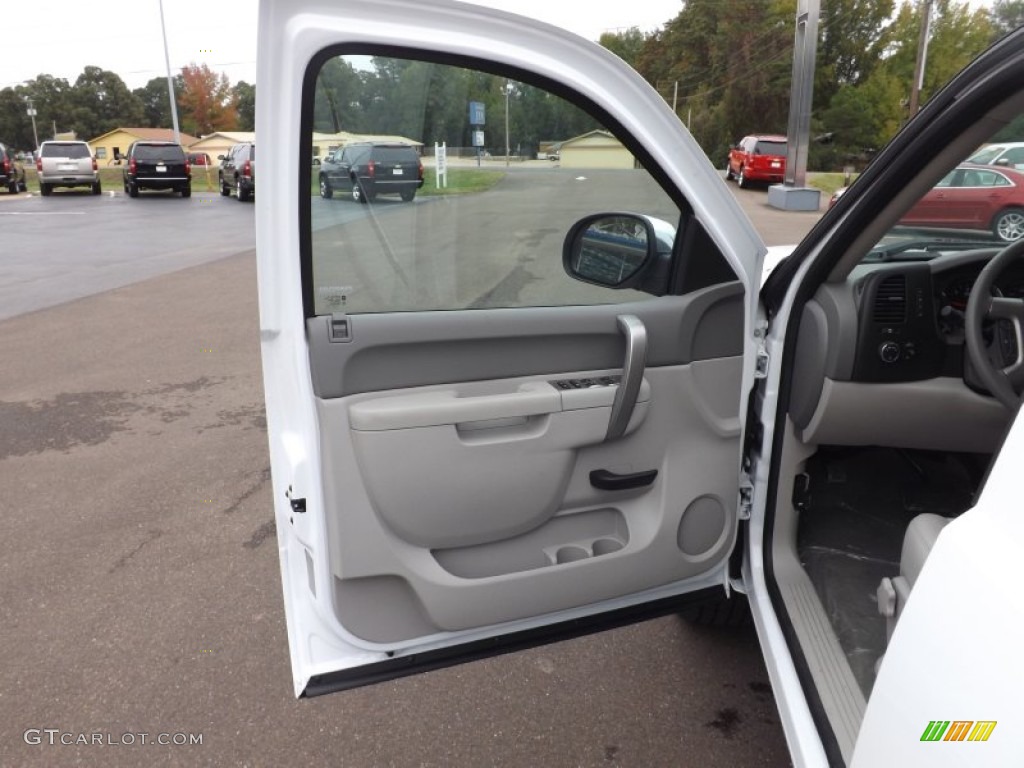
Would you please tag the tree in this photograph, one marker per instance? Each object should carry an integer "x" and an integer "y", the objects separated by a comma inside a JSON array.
[
  {"x": 156, "y": 103},
  {"x": 626, "y": 45},
  {"x": 205, "y": 101},
  {"x": 1007, "y": 15},
  {"x": 51, "y": 97},
  {"x": 100, "y": 102},
  {"x": 244, "y": 97}
]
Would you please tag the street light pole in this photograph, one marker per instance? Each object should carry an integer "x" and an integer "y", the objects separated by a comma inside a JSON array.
[{"x": 170, "y": 82}]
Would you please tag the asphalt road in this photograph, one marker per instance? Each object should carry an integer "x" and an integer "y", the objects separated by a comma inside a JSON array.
[{"x": 139, "y": 582}]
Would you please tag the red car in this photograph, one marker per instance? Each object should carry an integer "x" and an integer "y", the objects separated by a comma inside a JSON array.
[
  {"x": 974, "y": 197},
  {"x": 757, "y": 158}
]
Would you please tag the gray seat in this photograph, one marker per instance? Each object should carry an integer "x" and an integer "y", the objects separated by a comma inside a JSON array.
[{"x": 918, "y": 541}]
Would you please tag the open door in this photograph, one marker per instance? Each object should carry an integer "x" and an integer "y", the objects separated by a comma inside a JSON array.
[{"x": 471, "y": 450}]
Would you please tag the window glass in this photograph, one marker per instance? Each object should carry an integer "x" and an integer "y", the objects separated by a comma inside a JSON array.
[
  {"x": 771, "y": 147},
  {"x": 450, "y": 203},
  {"x": 62, "y": 149}
]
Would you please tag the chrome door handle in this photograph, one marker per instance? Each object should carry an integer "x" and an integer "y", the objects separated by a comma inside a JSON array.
[{"x": 632, "y": 375}]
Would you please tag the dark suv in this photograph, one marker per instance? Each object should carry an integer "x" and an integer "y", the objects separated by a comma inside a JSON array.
[
  {"x": 238, "y": 171},
  {"x": 157, "y": 165},
  {"x": 366, "y": 170},
  {"x": 12, "y": 173}
]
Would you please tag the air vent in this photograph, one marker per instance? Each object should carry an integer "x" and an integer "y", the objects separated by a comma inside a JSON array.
[{"x": 891, "y": 301}]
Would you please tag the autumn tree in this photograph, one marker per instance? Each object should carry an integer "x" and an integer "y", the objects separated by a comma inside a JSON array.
[{"x": 205, "y": 103}]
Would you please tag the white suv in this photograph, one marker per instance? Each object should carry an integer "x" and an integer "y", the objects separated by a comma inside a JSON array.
[{"x": 66, "y": 164}]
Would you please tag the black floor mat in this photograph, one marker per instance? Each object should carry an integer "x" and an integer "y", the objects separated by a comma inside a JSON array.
[{"x": 855, "y": 506}]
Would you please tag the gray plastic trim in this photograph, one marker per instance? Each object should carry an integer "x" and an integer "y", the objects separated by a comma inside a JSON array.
[
  {"x": 809, "y": 364},
  {"x": 398, "y": 350},
  {"x": 906, "y": 415}
]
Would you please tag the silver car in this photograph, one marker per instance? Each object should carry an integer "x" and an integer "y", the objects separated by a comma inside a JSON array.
[{"x": 66, "y": 164}]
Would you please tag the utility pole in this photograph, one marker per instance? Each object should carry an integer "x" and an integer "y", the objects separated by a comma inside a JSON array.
[
  {"x": 922, "y": 57},
  {"x": 170, "y": 81},
  {"x": 32, "y": 114}
]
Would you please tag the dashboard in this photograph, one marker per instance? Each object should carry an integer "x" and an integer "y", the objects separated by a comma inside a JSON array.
[{"x": 881, "y": 356}]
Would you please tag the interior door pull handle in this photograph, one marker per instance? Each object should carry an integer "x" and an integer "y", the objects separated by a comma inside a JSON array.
[
  {"x": 632, "y": 375},
  {"x": 609, "y": 481}
]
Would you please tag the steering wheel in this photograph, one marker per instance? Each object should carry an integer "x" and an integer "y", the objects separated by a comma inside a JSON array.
[{"x": 1004, "y": 381}]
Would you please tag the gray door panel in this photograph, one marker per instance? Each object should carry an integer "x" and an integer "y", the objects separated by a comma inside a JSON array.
[{"x": 410, "y": 349}]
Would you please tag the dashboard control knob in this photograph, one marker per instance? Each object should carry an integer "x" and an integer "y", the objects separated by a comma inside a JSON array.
[{"x": 889, "y": 351}]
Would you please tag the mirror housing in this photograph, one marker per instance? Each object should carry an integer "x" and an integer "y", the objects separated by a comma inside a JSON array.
[
  {"x": 620, "y": 250},
  {"x": 1003, "y": 162}
]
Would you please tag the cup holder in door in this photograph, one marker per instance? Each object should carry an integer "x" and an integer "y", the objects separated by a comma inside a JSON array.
[
  {"x": 606, "y": 546},
  {"x": 570, "y": 554}
]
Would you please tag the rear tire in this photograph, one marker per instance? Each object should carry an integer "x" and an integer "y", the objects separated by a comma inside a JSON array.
[
  {"x": 97, "y": 188},
  {"x": 729, "y": 175},
  {"x": 408, "y": 195},
  {"x": 12, "y": 187},
  {"x": 186, "y": 191},
  {"x": 243, "y": 194},
  {"x": 133, "y": 189},
  {"x": 45, "y": 189},
  {"x": 325, "y": 188},
  {"x": 225, "y": 190},
  {"x": 741, "y": 180}
]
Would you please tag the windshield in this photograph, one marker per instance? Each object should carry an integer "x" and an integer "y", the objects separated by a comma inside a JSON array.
[{"x": 978, "y": 203}]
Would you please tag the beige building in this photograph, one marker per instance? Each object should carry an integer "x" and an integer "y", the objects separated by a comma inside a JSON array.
[
  {"x": 105, "y": 148},
  {"x": 325, "y": 142},
  {"x": 596, "y": 149},
  {"x": 218, "y": 143}
]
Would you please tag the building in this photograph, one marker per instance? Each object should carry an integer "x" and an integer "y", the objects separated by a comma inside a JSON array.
[
  {"x": 219, "y": 143},
  {"x": 596, "y": 149},
  {"x": 325, "y": 142},
  {"x": 110, "y": 145}
]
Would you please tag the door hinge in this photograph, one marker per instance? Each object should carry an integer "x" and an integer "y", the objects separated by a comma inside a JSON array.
[
  {"x": 298, "y": 505},
  {"x": 746, "y": 501},
  {"x": 760, "y": 349},
  {"x": 338, "y": 327}
]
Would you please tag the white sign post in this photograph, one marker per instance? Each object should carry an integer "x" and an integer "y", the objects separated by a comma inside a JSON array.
[{"x": 441, "y": 163}]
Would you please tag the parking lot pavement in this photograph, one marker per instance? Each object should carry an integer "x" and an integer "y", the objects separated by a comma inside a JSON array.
[{"x": 140, "y": 586}]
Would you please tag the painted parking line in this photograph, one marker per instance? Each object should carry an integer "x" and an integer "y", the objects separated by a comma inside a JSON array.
[{"x": 42, "y": 213}]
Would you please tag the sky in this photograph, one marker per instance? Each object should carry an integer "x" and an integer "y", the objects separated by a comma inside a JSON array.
[{"x": 124, "y": 35}]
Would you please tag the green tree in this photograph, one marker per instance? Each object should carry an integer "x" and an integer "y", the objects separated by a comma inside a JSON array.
[
  {"x": 156, "y": 104},
  {"x": 1007, "y": 15},
  {"x": 100, "y": 102},
  {"x": 244, "y": 96},
  {"x": 627, "y": 45},
  {"x": 51, "y": 97}
]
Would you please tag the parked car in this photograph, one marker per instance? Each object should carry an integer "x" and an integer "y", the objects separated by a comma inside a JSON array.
[
  {"x": 199, "y": 158},
  {"x": 66, "y": 164},
  {"x": 757, "y": 158},
  {"x": 156, "y": 165},
  {"x": 974, "y": 197},
  {"x": 367, "y": 169},
  {"x": 238, "y": 171},
  {"x": 491, "y": 425},
  {"x": 12, "y": 172},
  {"x": 1007, "y": 154}
]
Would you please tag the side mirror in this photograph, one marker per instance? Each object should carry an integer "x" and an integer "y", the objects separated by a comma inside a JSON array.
[
  {"x": 1003, "y": 162},
  {"x": 620, "y": 250}
]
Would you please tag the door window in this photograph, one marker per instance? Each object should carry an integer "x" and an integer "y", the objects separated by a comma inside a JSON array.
[{"x": 483, "y": 224}]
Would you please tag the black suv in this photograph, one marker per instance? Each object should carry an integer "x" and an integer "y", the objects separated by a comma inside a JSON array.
[
  {"x": 366, "y": 170},
  {"x": 12, "y": 173},
  {"x": 238, "y": 171},
  {"x": 156, "y": 165}
]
